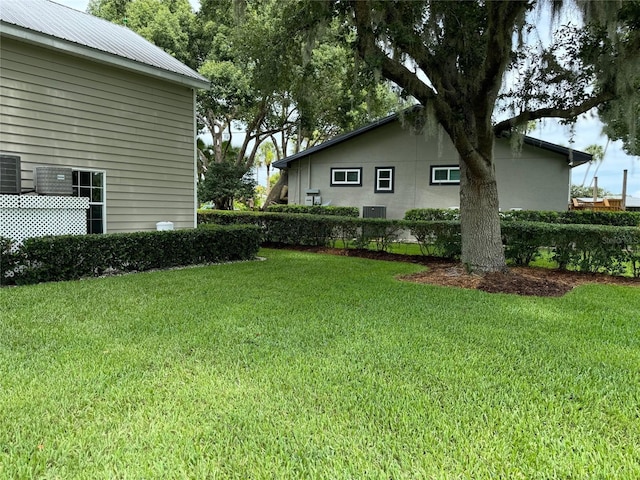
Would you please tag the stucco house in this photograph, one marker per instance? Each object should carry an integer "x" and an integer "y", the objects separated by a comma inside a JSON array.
[
  {"x": 391, "y": 168},
  {"x": 80, "y": 93}
]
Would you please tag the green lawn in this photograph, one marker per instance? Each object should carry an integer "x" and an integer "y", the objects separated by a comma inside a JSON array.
[{"x": 314, "y": 366}]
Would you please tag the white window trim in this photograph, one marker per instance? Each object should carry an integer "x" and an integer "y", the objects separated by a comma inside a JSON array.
[
  {"x": 448, "y": 168},
  {"x": 104, "y": 193},
  {"x": 391, "y": 179},
  {"x": 346, "y": 182}
]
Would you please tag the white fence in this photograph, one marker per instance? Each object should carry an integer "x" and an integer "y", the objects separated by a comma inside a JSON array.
[{"x": 26, "y": 216}]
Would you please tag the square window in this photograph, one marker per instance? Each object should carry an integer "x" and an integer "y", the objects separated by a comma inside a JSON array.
[{"x": 384, "y": 179}]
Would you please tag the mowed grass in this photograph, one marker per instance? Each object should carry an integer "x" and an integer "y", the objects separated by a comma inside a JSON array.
[{"x": 315, "y": 366}]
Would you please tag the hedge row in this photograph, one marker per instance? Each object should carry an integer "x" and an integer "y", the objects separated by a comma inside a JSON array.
[
  {"x": 581, "y": 217},
  {"x": 70, "y": 257},
  {"x": 315, "y": 210},
  {"x": 590, "y": 248}
]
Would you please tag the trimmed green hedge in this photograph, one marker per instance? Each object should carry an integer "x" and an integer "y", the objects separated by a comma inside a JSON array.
[
  {"x": 315, "y": 210},
  {"x": 582, "y": 217},
  {"x": 431, "y": 214},
  {"x": 589, "y": 248},
  {"x": 46, "y": 259}
]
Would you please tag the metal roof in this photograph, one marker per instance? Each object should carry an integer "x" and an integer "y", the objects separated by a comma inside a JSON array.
[
  {"x": 56, "y": 26},
  {"x": 574, "y": 157}
]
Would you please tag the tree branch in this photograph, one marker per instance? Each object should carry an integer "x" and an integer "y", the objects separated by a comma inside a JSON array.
[
  {"x": 391, "y": 69},
  {"x": 551, "y": 112}
]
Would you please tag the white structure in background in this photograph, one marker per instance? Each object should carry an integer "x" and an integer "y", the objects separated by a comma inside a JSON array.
[{"x": 25, "y": 216}]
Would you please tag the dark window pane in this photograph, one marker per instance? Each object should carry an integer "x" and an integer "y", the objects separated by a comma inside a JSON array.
[
  {"x": 96, "y": 194},
  {"x": 95, "y": 212},
  {"x": 74, "y": 177},
  {"x": 75, "y": 192},
  {"x": 384, "y": 174},
  {"x": 454, "y": 174},
  {"x": 339, "y": 176},
  {"x": 85, "y": 179},
  {"x": 96, "y": 179},
  {"x": 85, "y": 192},
  {"x": 385, "y": 184},
  {"x": 353, "y": 177},
  {"x": 96, "y": 226},
  {"x": 439, "y": 175}
]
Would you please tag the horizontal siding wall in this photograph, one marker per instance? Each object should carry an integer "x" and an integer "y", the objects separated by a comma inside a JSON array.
[{"x": 56, "y": 109}]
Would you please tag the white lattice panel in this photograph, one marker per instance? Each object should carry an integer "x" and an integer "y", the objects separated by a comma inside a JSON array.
[
  {"x": 34, "y": 201},
  {"x": 28, "y": 216},
  {"x": 9, "y": 201}
]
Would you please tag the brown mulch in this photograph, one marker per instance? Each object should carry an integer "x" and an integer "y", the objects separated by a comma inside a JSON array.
[{"x": 533, "y": 281}]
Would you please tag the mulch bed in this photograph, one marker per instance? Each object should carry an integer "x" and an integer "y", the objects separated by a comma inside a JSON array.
[{"x": 533, "y": 281}]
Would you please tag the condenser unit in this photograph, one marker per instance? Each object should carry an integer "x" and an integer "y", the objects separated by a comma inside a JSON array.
[
  {"x": 53, "y": 181},
  {"x": 374, "y": 211},
  {"x": 10, "y": 182}
]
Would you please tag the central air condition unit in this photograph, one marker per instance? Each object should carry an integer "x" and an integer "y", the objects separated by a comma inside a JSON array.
[
  {"x": 10, "y": 181},
  {"x": 374, "y": 211},
  {"x": 53, "y": 181}
]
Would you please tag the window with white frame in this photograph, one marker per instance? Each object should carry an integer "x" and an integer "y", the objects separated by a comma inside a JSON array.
[
  {"x": 90, "y": 184},
  {"x": 346, "y": 177},
  {"x": 445, "y": 175},
  {"x": 384, "y": 179}
]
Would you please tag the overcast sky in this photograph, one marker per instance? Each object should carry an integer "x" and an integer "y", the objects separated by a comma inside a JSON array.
[{"x": 587, "y": 132}]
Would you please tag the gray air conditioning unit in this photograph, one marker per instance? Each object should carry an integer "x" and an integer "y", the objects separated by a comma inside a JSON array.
[
  {"x": 374, "y": 211},
  {"x": 10, "y": 182},
  {"x": 53, "y": 181}
]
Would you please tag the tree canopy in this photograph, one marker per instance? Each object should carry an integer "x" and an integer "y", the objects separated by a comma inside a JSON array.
[{"x": 480, "y": 70}]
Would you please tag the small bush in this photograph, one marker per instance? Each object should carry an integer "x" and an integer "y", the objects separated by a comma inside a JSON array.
[
  {"x": 438, "y": 238},
  {"x": 70, "y": 257}
]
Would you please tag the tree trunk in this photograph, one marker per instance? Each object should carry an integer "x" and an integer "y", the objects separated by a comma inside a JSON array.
[
  {"x": 482, "y": 250},
  {"x": 279, "y": 192}
]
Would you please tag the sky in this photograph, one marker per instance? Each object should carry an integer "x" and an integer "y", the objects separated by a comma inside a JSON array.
[{"x": 588, "y": 131}]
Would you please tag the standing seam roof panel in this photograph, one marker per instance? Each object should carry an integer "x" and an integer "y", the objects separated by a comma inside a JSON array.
[{"x": 65, "y": 23}]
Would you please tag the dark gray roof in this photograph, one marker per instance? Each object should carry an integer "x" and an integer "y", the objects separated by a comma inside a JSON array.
[
  {"x": 574, "y": 157},
  {"x": 56, "y": 26}
]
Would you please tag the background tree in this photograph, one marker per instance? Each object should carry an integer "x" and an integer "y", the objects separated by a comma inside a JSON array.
[
  {"x": 454, "y": 58},
  {"x": 582, "y": 191},
  {"x": 225, "y": 182}
]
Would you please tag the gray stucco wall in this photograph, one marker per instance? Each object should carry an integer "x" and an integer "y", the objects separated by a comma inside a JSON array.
[
  {"x": 60, "y": 110},
  {"x": 530, "y": 179}
]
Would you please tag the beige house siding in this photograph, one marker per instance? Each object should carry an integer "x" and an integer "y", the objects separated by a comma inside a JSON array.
[
  {"x": 531, "y": 179},
  {"x": 57, "y": 109}
]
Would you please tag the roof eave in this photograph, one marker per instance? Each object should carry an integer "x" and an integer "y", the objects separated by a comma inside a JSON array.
[
  {"x": 46, "y": 41},
  {"x": 575, "y": 158}
]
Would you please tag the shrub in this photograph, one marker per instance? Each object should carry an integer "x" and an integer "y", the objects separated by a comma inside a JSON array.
[
  {"x": 315, "y": 210},
  {"x": 439, "y": 238},
  {"x": 588, "y": 248},
  {"x": 431, "y": 214},
  {"x": 381, "y": 232},
  {"x": 72, "y": 257}
]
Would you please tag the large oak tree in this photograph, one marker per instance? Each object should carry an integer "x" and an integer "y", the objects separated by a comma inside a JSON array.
[{"x": 481, "y": 71}]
